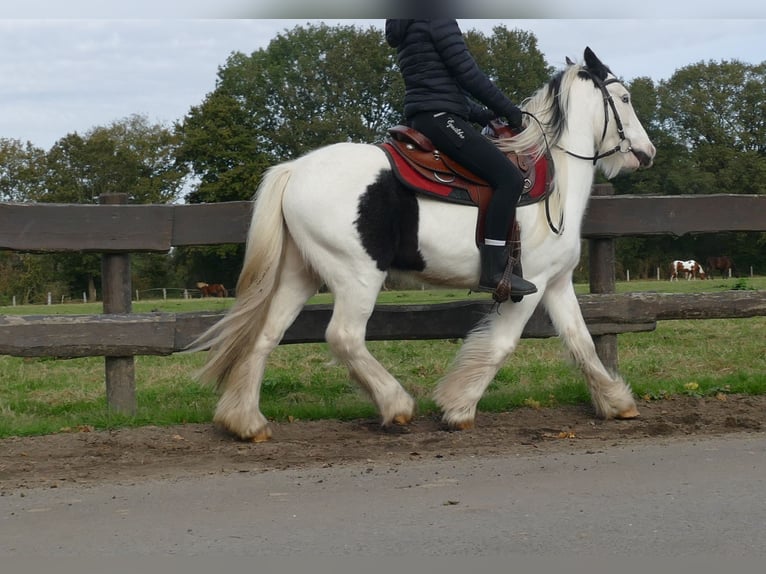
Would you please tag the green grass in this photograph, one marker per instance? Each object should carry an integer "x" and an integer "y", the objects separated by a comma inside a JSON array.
[{"x": 699, "y": 357}]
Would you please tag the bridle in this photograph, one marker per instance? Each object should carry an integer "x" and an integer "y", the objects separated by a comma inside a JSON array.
[{"x": 625, "y": 145}]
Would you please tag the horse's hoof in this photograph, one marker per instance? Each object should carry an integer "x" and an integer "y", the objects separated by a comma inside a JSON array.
[
  {"x": 460, "y": 426},
  {"x": 629, "y": 413},
  {"x": 401, "y": 420},
  {"x": 262, "y": 436}
]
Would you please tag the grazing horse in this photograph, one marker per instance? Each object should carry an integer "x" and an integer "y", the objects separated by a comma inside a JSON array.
[
  {"x": 214, "y": 290},
  {"x": 722, "y": 263},
  {"x": 690, "y": 269},
  {"x": 339, "y": 215},
  {"x": 697, "y": 271}
]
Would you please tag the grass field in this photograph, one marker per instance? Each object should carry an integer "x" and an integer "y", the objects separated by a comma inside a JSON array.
[{"x": 41, "y": 395}]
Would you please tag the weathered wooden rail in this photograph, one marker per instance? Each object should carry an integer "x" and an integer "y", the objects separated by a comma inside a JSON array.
[
  {"x": 116, "y": 230},
  {"x": 166, "y": 333}
]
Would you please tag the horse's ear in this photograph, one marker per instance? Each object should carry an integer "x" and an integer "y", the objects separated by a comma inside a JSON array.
[
  {"x": 569, "y": 61},
  {"x": 595, "y": 65}
]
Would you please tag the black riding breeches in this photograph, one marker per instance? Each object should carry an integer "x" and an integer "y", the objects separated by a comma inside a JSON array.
[{"x": 461, "y": 141}]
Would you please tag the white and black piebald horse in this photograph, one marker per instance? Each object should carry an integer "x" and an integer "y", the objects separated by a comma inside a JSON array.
[{"x": 338, "y": 216}]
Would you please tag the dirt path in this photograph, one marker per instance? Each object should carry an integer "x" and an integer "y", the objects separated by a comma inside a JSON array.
[{"x": 131, "y": 455}]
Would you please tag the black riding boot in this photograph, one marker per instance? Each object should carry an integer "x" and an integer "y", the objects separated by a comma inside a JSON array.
[{"x": 494, "y": 259}]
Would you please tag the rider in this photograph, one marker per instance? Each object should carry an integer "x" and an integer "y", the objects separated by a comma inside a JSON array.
[{"x": 441, "y": 77}]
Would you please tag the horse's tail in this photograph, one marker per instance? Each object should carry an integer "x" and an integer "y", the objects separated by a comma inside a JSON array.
[{"x": 232, "y": 338}]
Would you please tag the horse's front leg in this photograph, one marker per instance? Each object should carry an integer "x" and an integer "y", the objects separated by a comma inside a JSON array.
[
  {"x": 483, "y": 353},
  {"x": 611, "y": 396}
]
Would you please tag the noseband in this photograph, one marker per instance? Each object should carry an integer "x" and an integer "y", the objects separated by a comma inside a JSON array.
[{"x": 625, "y": 145}]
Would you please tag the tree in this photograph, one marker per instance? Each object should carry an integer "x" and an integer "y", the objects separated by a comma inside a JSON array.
[
  {"x": 512, "y": 60},
  {"x": 310, "y": 87},
  {"x": 717, "y": 111},
  {"x": 22, "y": 170},
  {"x": 317, "y": 85},
  {"x": 221, "y": 148},
  {"x": 129, "y": 156},
  {"x": 707, "y": 122}
]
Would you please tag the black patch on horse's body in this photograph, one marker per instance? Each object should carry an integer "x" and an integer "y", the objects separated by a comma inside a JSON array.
[{"x": 387, "y": 223}]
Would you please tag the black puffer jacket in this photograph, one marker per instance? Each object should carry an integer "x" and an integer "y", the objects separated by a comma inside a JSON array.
[{"x": 439, "y": 72}]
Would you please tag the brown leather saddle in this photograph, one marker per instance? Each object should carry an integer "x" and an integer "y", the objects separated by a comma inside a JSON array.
[{"x": 421, "y": 167}]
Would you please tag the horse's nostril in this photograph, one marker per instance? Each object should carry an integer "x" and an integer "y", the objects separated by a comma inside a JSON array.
[{"x": 644, "y": 159}]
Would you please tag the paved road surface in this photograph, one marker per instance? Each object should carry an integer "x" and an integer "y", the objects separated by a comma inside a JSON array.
[{"x": 679, "y": 498}]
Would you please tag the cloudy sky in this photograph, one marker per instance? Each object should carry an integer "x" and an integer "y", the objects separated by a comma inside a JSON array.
[{"x": 87, "y": 66}]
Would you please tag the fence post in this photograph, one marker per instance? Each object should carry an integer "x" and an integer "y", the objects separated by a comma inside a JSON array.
[
  {"x": 602, "y": 273},
  {"x": 116, "y": 287}
]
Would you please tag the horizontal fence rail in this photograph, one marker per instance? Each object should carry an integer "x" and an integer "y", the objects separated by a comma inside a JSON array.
[
  {"x": 166, "y": 333},
  {"x": 116, "y": 229},
  {"x": 142, "y": 228}
]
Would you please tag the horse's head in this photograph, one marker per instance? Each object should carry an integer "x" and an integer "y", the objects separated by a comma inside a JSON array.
[
  {"x": 586, "y": 111},
  {"x": 620, "y": 141}
]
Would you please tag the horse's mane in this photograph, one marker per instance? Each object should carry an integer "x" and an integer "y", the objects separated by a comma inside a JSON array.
[
  {"x": 547, "y": 106},
  {"x": 543, "y": 130}
]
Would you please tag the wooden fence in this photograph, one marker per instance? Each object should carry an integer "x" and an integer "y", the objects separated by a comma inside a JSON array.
[{"x": 116, "y": 230}]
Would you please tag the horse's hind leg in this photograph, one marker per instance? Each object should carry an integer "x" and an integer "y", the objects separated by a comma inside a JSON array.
[
  {"x": 238, "y": 408},
  {"x": 611, "y": 396},
  {"x": 354, "y": 303}
]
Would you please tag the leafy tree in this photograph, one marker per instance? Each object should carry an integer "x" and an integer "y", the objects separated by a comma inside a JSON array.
[
  {"x": 316, "y": 85},
  {"x": 221, "y": 149},
  {"x": 129, "y": 156},
  {"x": 717, "y": 111},
  {"x": 512, "y": 59},
  {"x": 311, "y": 86},
  {"x": 28, "y": 277},
  {"x": 22, "y": 170}
]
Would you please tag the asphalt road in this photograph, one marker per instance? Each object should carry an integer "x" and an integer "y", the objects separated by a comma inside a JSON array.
[{"x": 653, "y": 498}]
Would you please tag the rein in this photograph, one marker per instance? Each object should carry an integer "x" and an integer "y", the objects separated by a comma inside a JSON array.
[
  {"x": 625, "y": 145},
  {"x": 560, "y": 229}
]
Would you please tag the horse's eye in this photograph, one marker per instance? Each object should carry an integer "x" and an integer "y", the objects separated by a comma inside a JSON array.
[{"x": 626, "y": 99}]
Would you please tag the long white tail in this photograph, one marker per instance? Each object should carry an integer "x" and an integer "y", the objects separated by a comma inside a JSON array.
[{"x": 231, "y": 339}]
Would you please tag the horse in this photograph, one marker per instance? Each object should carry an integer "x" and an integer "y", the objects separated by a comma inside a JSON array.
[
  {"x": 676, "y": 267},
  {"x": 690, "y": 269},
  {"x": 337, "y": 215},
  {"x": 722, "y": 263},
  {"x": 212, "y": 290}
]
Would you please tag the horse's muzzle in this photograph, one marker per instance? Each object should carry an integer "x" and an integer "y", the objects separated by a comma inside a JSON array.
[{"x": 644, "y": 159}]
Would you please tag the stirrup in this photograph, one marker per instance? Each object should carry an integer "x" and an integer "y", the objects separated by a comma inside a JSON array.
[{"x": 505, "y": 289}]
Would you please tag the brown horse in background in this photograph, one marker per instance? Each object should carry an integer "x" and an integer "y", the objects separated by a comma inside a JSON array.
[
  {"x": 722, "y": 263},
  {"x": 212, "y": 290}
]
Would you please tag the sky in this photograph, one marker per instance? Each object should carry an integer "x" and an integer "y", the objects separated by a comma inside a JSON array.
[{"x": 65, "y": 71}]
